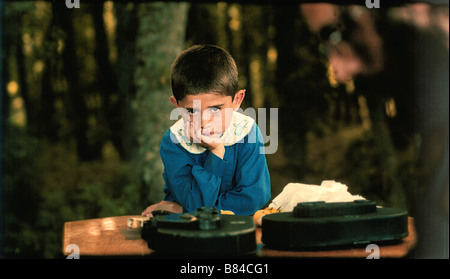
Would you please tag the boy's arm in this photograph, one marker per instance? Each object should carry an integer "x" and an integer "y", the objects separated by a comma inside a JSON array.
[
  {"x": 187, "y": 182},
  {"x": 252, "y": 189}
]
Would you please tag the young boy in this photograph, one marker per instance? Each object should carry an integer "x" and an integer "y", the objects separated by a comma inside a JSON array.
[{"x": 213, "y": 155}]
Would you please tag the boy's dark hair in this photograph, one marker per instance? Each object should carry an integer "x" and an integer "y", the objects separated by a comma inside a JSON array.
[{"x": 203, "y": 69}]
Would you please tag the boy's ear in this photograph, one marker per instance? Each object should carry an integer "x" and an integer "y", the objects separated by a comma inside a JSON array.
[
  {"x": 174, "y": 101},
  {"x": 238, "y": 98}
]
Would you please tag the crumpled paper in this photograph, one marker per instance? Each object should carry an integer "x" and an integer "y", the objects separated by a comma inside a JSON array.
[
  {"x": 328, "y": 191},
  {"x": 293, "y": 193}
]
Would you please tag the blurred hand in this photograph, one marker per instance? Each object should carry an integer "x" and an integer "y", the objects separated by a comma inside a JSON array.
[{"x": 163, "y": 205}]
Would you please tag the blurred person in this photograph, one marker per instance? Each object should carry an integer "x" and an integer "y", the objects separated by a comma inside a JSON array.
[{"x": 403, "y": 49}]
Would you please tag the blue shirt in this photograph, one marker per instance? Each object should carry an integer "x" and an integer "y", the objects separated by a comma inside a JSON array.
[{"x": 239, "y": 182}]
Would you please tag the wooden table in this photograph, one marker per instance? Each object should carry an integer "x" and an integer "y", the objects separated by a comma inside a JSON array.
[{"x": 111, "y": 237}]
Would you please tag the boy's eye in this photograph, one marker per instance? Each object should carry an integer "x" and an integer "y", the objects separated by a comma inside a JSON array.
[
  {"x": 214, "y": 110},
  {"x": 192, "y": 111}
]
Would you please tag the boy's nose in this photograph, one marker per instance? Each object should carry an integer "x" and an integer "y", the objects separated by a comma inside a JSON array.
[
  {"x": 205, "y": 123},
  {"x": 206, "y": 118}
]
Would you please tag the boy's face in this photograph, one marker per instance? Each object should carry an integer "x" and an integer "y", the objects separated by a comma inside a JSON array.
[{"x": 208, "y": 113}]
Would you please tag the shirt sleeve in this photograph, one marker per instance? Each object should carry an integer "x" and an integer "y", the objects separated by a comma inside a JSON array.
[
  {"x": 252, "y": 190},
  {"x": 188, "y": 183}
]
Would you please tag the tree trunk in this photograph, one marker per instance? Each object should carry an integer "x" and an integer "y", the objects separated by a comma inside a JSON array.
[
  {"x": 106, "y": 79},
  {"x": 160, "y": 38},
  {"x": 74, "y": 100}
]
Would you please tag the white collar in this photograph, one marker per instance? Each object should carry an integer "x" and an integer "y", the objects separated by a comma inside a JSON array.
[{"x": 239, "y": 127}]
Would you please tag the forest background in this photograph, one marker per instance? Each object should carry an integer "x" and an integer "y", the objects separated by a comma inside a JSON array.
[{"x": 85, "y": 102}]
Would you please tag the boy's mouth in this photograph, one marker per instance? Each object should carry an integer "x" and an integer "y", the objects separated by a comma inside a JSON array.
[{"x": 210, "y": 133}]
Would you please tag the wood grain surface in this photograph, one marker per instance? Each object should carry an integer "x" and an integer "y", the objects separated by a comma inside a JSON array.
[{"x": 112, "y": 237}]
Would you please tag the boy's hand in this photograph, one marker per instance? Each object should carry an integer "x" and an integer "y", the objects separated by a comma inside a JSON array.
[
  {"x": 214, "y": 145},
  {"x": 208, "y": 139},
  {"x": 163, "y": 205}
]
